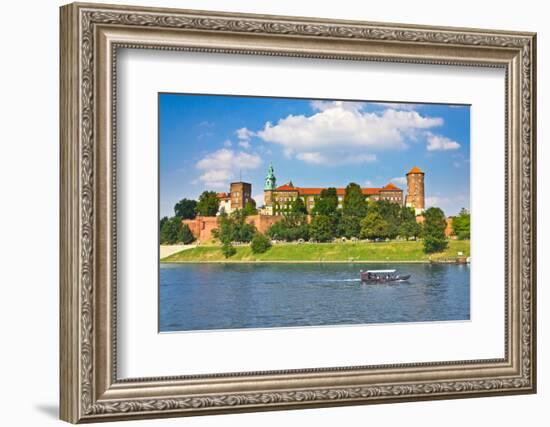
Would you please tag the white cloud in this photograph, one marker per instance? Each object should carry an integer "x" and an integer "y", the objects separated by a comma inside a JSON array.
[
  {"x": 402, "y": 180},
  {"x": 441, "y": 143},
  {"x": 312, "y": 157},
  {"x": 244, "y": 144},
  {"x": 244, "y": 134},
  {"x": 227, "y": 143},
  {"x": 340, "y": 130},
  {"x": 317, "y": 158},
  {"x": 220, "y": 166},
  {"x": 344, "y": 105},
  {"x": 398, "y": 105}
]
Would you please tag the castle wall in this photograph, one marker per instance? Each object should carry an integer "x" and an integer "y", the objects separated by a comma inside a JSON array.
[
  {"x": 202, "y": 226},
  {"x": 263, "y": 222}
]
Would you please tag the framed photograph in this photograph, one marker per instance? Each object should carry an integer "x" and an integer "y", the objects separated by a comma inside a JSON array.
[{"x": 266, "y": 212}]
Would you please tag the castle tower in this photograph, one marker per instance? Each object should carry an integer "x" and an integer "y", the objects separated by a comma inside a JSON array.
[
  {"x": 269, "y": 186},
  {"x": 415, "y": 190},
  {"x": 240, "y": 194}
]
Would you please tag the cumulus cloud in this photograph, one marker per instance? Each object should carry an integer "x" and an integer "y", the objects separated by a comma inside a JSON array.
[
  {"x": 341, "y": 130},
  {"x": 244, "y": 134},
  {"x": 398, "y": 105},
  {"x": 219, "y": 167},
  {"x": 227, "y": 143},
  {"x": 344, "y": 105},
  {"x": 244, "y": 144},
  {"x": 401, "y": 180},
  {"x": 441, "y": 143}
]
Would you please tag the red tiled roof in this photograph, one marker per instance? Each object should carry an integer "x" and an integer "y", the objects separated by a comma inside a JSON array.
[
  {"x": 415, "y": 169},
  {"x": 222, "y": 195},
  {"x": 286, "y": 187},
  {"x": 316, "y": 191},
  {"x": 391, "y": 187},
  {"x": 369, "y": 191}
]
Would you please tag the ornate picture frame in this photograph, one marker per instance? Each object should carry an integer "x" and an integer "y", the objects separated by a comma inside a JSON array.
[{"x": 90, "y": 37}]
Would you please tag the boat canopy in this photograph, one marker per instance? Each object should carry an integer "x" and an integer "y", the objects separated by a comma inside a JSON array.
[{"x": 381, "y": 271}]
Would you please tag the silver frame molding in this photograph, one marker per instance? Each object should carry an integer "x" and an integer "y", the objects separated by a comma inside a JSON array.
[{"x": 90, "y": 37}]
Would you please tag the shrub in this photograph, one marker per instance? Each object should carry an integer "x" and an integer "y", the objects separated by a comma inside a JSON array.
[
  {"x": 461, "y": 225},
  {"x": 260, "y": 243},
  {"x": 228, "y": 250}
]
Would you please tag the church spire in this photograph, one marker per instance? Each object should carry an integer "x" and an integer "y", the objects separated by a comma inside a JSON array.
[{"x": 270, "y": 180}]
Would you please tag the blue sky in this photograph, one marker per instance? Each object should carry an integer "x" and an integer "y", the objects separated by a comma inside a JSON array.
[{"x": 207, "y": 141}]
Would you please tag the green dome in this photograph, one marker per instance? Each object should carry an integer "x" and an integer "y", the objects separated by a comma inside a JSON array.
[{"x": 270, "y": 180}]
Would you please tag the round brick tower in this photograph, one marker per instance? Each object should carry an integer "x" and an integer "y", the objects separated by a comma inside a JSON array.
[{"x": 415, "y": 190}]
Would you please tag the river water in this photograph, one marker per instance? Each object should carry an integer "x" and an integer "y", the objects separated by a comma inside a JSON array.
[{"x": 258, "y": 295}]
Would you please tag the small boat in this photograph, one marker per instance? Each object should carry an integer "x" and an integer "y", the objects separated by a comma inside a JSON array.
[{"x": 383, "y": 276}]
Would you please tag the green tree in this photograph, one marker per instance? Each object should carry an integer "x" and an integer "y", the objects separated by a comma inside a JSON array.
[
  {"x": 208, "y": 204},
  {"x": 298, "y": 206},
  {"x": 170, "y": 231},
  {"x": 185, "y": 209},
  {"x": 228, "y": 250},
  {"x": 185, "y": 235},
  {"x": 234, "y": 228},
  {"x": 374, "y": 226},
  {"x": 290, "y": 228},
  {"x": 391, "y": 213},
  {"x": 461, "y": 225},
  {"x": 408, "y": 226},
  {"x": 327, "y": 203},
  {"x": 250, "y": 208},
  {"x": 434, "y": 230},
  {"x": 354, "y": 203},
  {"x": 321, "y": 228},
  {"x": 349, "y": 226},
  {"x": 260, "y": 243},
  {"x": 162, "y": 222}
]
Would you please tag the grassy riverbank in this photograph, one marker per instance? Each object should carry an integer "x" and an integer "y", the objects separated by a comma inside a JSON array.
[{"x": 395, "y": 251}]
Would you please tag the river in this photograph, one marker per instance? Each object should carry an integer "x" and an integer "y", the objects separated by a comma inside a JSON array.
[{"x": 257, "y": 295}]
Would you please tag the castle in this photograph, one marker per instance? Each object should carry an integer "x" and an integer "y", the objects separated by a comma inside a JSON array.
[{"x": 278, "y": 200}]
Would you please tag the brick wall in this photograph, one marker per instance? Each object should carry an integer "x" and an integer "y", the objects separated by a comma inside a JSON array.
[{"x": 202, "y": 226}]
